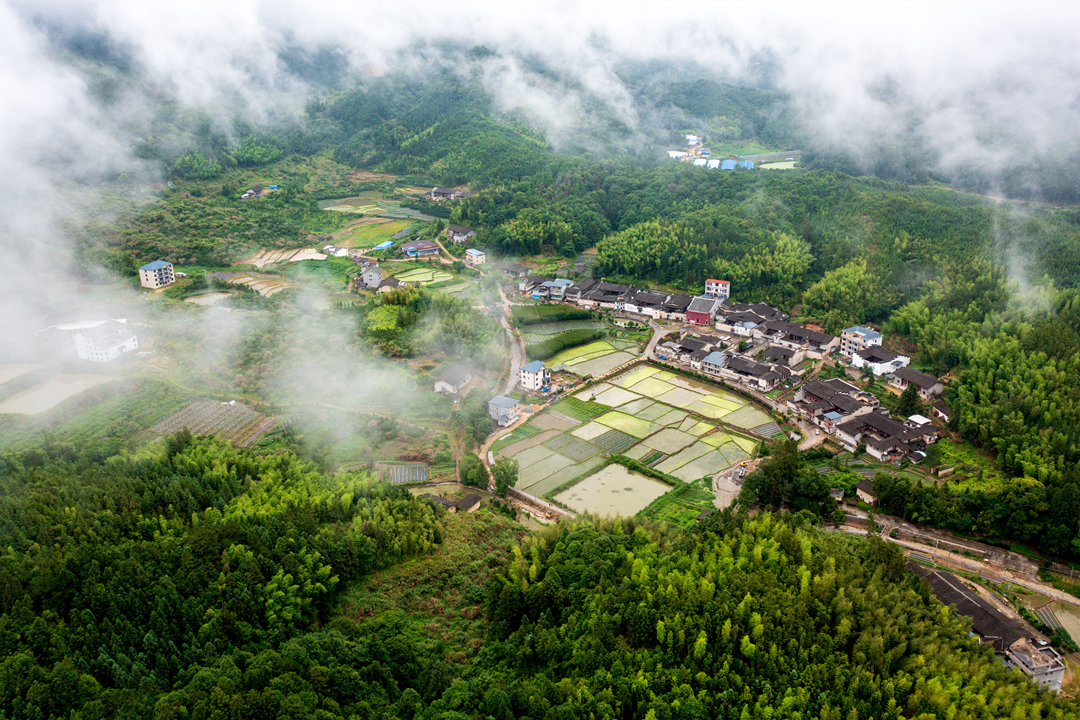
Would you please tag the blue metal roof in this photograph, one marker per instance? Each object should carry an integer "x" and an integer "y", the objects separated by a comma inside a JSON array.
[
  {"x": 384, "y": 245},
  {"x": 501, "y": 401},
  {"x": 727, "y": 165},
  {"x": 156, "y": 265},
  {"x": 748, "y": 164},
  {"x": 534, "y": 367},
  {"x": 714, "y": 358}
]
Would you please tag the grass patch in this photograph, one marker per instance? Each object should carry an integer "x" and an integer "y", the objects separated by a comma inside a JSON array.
[
  {"x": 557, "y": 343},
  {"x": 1025, "y": 551},
  {"x": 535, "y": 314},
  {"x": 682, "y": 505}
]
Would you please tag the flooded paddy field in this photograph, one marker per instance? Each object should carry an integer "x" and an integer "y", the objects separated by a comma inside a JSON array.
[
  {"x": 50, "y": 393},
  {"x": 613, "y": 491}
]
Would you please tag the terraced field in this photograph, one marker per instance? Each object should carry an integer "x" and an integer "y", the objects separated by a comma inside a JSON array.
[
  {"x": 595, "y": 358},
  {"x": 234, "y": 422},
  {"x": 647, "y": 414}
]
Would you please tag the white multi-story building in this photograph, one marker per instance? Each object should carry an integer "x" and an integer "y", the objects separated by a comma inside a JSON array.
[
  {"x": 856, "y": 338},
  {"x": 156, "y": 274},
  {"x": 720, "y": 289},
  {"x": 535, "y": 375},
  {"x": 94, "y": 340}
]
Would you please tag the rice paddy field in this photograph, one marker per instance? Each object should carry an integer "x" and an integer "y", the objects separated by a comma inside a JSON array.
[
  {"x": 595, "y": 358},
  {"x": 424, "y": 276},
  {"x": 545, "y": 331},
  {"x": 613, "y": 491},
  {"x": 651, "y": 415}
]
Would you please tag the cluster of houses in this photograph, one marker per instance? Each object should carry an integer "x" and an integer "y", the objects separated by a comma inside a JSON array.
[
  {"x": 702, "y": 157},
  {"x": 438, "y": 194},
  {"x": 854, "y": 417}
]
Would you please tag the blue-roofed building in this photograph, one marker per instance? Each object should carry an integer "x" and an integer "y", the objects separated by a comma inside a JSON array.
[
  {"x": 856, "y": 338},
  {"x": 475, "y": 257},
  {"x": 705, "y": 152},
  {"x": 156, "y": 274},
  {"x": 385, "y": 245},
  {"x": 535, "y": 376},
  {"x": 728, "y": 164},
  {"x": 503, "y": 410},
  {"x": 748, "y": 164},
  {"x": 419, "y": 248},
  {"x": 712, "y": 363}
]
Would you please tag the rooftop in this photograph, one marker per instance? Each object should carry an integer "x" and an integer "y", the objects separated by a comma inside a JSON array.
[
  {"x": 862, "y": 331},
  {"x": 714, "y": 358},
  {"x": 156, "y": 265},
  {"x": 534, "y": 367},
  {"x": 920, "y": 379},
  {"x": 504, "y": 402}
]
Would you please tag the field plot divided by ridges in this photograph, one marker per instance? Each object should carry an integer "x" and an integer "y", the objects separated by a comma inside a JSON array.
[
  {"x": 747, "y": 417},
  {"x": 615, "y": 396},
  {"x": 552, "y": 420},
  {"x": 627, "y": 424},
  {"x": 651, "y": 387},
  {"x": 717, "y": 439},
  {"x": 638, "y": 407},
  {"x": 679, "y": 397},
  {"x": 234, "y": 422},
  {"x": 522, "y": 445},
  {"x": 636, "y": 375},
  {"x": 708, "y": 464},
  {"x": 708, "y": 410},
  {"x": 669, "y": 441},
  {"x": 638, "y": 451},
  {"x": 603, "y": 364},
  {"x": 592, "y": 392},
  {"x": 546, "y": 467},
  {"x": 654, "y": 413},
  {"x": 672, "y": 417},
  {"x": 545, "y": 486},
  {"x": 695, "y": 428},
  {"x": 689, "y": 454},
  {"x": 614, "y": 441},
  {"x": 574, "y": 448}
]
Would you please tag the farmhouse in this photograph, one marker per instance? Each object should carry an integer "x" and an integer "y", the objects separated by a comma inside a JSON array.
[
  {"x": 503, "y": 410},
  {"x": 856, "y": 338},
  {"x": 453, "y": 380},
  {"x": 553, "y": 289},
  {"x": 371, "y": 275},
  {"x": 93, "y": 340},
  {"x": 712, "y": 363},
  {"x": 865, "y": 492},
  {"x": 156, "y": 274},
  {"x": 419, "y": 248},
  {"x": 580, "y": 288},
  {"x": 448, "y": 505},
  {"x": 720, "y": 289},
  {"x": 460, "y": 234},
  {"x": 928, "y": 385},
  {"x": 535, "y": 376},
  {"x": 475, "y": 257},
  {"x": 515, "y": 270},
  {"x": 469, "y": 503},
  {"x": 389, "y": 284},
  {"x": 878, "y": 360},
  {"x": 674, "y": 308},
  {"x": 784, "y": 355},
  {"x": 758, "y": 375},
  {"x": 941, "y": 410},
  {"x": 439, "y": 193},
  {"x": 702, "y": 310}
]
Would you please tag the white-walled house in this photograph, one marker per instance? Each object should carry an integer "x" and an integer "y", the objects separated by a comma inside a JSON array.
[
  {"x": 156, "y": 274},
  {"x": 535, "y": 376}
]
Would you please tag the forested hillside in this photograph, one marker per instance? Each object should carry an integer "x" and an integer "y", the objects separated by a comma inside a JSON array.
[{"x": 201, "y": 581}]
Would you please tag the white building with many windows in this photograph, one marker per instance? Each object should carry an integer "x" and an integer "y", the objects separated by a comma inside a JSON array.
[
  {"x": 535, "y": 375},
  {"x": 156, "y": 274}
]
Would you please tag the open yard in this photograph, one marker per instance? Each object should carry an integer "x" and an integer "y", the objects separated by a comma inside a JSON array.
[{"x": 613, "y": 491}]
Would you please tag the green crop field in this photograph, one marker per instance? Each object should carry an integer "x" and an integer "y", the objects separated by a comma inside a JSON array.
[{"x": 627, "y": 424}]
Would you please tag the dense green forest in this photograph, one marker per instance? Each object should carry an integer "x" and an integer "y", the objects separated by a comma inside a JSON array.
[{"x": 202, "y": 581}]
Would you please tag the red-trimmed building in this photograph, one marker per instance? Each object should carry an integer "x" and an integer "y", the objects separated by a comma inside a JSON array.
[
  {"x": 702, "y": 310},
  {"x": 720, "y": 289}
]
